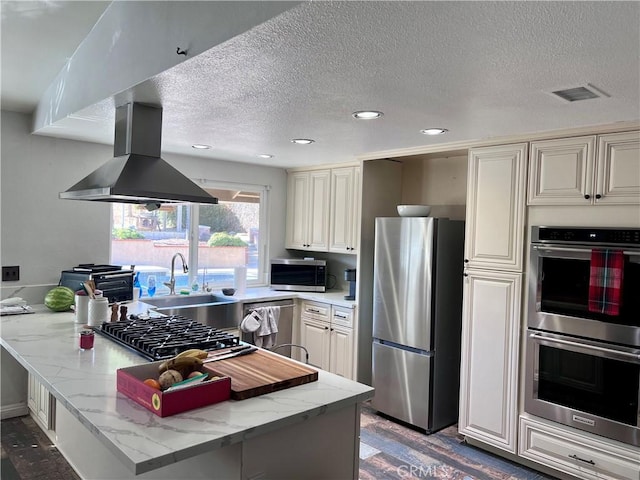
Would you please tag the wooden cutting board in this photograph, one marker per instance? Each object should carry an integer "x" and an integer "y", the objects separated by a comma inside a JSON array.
[{"x": 261, "y": 372}]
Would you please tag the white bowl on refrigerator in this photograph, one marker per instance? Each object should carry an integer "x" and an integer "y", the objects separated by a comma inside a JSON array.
[{"x": 414, "y": 210}]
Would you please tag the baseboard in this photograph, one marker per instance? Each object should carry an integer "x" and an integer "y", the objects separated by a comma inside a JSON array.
[{"x": 13, "y": 410}]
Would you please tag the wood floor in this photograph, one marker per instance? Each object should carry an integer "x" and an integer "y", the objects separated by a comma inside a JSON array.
[
  {"x": 28, "y": 454},
  {"x": 388, "y": 450}
]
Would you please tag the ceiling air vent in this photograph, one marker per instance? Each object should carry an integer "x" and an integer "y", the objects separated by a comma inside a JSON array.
[{"x": 580, "y": 93}]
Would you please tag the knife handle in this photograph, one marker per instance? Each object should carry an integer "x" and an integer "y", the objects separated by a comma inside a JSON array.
[{"x": 230, "y": 355}]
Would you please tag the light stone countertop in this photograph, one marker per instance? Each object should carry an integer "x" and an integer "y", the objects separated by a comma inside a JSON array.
[
  {"x": 84, "y": 382},
  {"x": 263, "y": 294}
]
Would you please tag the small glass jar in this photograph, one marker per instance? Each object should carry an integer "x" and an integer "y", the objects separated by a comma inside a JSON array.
[{"x": 86, "y": 339}]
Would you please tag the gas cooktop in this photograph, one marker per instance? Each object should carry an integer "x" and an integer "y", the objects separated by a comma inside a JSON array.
[{"x": 164, "y": 337}]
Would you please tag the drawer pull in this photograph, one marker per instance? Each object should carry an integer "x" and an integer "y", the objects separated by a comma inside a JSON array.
[
  {"x": 576, "y": 457},
  {"x": 313, "y": 310},
  {"x": 341, "y": 315}
]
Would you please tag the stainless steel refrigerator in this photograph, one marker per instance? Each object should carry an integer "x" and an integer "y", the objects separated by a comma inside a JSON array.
[{"x": 417, "y": 316}]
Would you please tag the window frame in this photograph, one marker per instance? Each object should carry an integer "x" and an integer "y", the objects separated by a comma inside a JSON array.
[
  {"x": 263, "y": 237},
  {"x": 193, "y": 230}
]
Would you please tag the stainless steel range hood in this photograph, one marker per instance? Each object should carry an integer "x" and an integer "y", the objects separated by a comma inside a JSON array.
[{"x": 137, "y": 173}]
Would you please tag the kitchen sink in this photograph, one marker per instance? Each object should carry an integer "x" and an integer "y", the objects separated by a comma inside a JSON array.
[
  {"x": 214, "y": 310},
  {"x": 185, "y": 300}
]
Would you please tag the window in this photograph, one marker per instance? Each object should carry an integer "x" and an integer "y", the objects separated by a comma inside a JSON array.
[{"x": 213, "y": 239}]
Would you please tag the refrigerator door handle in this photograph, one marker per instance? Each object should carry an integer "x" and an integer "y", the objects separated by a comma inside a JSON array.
[{"x": 419, "y": 351}]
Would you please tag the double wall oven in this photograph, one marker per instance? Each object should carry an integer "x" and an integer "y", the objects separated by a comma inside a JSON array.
[{"x": 583, "y": 336}]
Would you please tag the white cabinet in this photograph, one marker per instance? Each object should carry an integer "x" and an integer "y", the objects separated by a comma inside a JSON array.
[
  {"x": 327, "y": 334},
  {"x": 323, "y": 208},
  {"x": 314, "y": 333},
  {"x": 342, "y": 344},
  {"x": 345, "y": 201},
  {"x": 41, "y": 403},
  {"x": 308, "y": 210},
  {"x": 576, "y": 453},
  {"x": 494, "y": 230},
  {"x": 618, "y": 169},
  {"x": 572, "y": 171},
  {"x": 494, "y": 236},
  {"x": 489, "y": 363},
  {"x": 561, "y": 171}
]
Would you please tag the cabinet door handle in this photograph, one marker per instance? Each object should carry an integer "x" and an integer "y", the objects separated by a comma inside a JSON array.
[
  {"x": 326, "y": 328},
  {"x": 576, "y": 457},
  {"x": 332, "y": 329},
  {"x": 587, "y": 196},
  {"x": 466, "y": 260},
  {"x": 598, "y": 196},
  {"x": 465, "y": 274}
]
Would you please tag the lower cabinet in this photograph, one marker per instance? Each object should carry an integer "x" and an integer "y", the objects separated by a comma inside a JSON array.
[
  {"x": 327, "y": 334},
  {"x": 570, "y": 451},
  {"x": 41, "y": 404},
  {"x": 489, "y": 363}
]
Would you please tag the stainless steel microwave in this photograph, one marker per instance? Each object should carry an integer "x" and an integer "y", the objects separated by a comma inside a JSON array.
[{"x": 298, "y": 275}]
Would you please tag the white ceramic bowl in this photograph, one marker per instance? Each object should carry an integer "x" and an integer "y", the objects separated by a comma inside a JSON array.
[{"x": 414, "y": 210}]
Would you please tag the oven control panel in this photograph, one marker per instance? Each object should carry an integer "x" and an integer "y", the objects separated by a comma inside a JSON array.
[{"x": 614, "y": 236}]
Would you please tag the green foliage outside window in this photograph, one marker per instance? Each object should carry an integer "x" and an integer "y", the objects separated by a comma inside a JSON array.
[
  {"x": 220, "y": 218},
  {"x": 126, "y": 233},
  {"x": 223, "y": 239}
]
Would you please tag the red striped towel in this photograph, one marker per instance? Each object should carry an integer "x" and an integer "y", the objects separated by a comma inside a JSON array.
[{"x": 605, "y": 281}]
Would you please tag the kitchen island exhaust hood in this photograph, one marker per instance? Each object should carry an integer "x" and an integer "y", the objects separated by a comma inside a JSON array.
[{"x": 137, "y": 173}]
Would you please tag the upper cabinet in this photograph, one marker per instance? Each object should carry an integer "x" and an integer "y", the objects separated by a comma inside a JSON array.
[
  {"x": 323, "y": 210},
  {"x": 345, "y": 200},
  {"x": 589, "y": 170},
  {"x": 494, "y": 230},
  {"x": 618, "y": 169},
  {"x": 308, "y": 210}
]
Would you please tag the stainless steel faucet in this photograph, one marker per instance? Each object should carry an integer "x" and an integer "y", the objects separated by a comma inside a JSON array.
[{"x": 172, "y": 281}]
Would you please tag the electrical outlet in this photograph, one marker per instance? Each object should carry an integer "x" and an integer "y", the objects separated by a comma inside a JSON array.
[{"x": 10, "y": 274}]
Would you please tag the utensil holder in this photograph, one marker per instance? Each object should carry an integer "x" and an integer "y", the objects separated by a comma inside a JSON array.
[
  {"x": 82, "y": 308},
  {"x": 98, "y": 311}
]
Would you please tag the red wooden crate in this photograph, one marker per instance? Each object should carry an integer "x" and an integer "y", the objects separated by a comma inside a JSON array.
[{"x": 130, "y": 383}]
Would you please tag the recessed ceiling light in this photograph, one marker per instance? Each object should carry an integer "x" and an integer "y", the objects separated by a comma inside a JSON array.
[
  {"x": 302, "y": 141},
  {"x": 199, "y": 146},
  {"x": 367, "y": 115},
  {"x": 265, "y": 155},
  {"x": 434, "y": 131}
]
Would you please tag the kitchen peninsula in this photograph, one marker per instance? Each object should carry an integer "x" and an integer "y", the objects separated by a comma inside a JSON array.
[{"x": 309, "y": 431}]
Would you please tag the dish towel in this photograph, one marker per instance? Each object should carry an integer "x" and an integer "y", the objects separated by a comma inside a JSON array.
[
  {"x": 263, "y": 323},
  {"x": 605, "y": 281}
]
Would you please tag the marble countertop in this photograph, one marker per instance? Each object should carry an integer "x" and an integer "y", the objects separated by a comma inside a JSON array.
[
  {"x": 263, "y": 294},
  {"x": 84, "y": 382}
]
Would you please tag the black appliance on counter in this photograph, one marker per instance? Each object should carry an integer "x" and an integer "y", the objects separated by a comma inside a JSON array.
[
  {"x": 164, "y": 337},
  {"x": 115, "y": 282},
  {"x": 350, "y": 276}
]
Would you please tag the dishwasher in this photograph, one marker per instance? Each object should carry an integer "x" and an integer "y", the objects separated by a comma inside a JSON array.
[{"x": 285, "y": 325}]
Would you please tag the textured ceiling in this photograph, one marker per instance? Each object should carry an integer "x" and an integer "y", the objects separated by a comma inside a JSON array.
[{"x": 479, "y": 69}]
